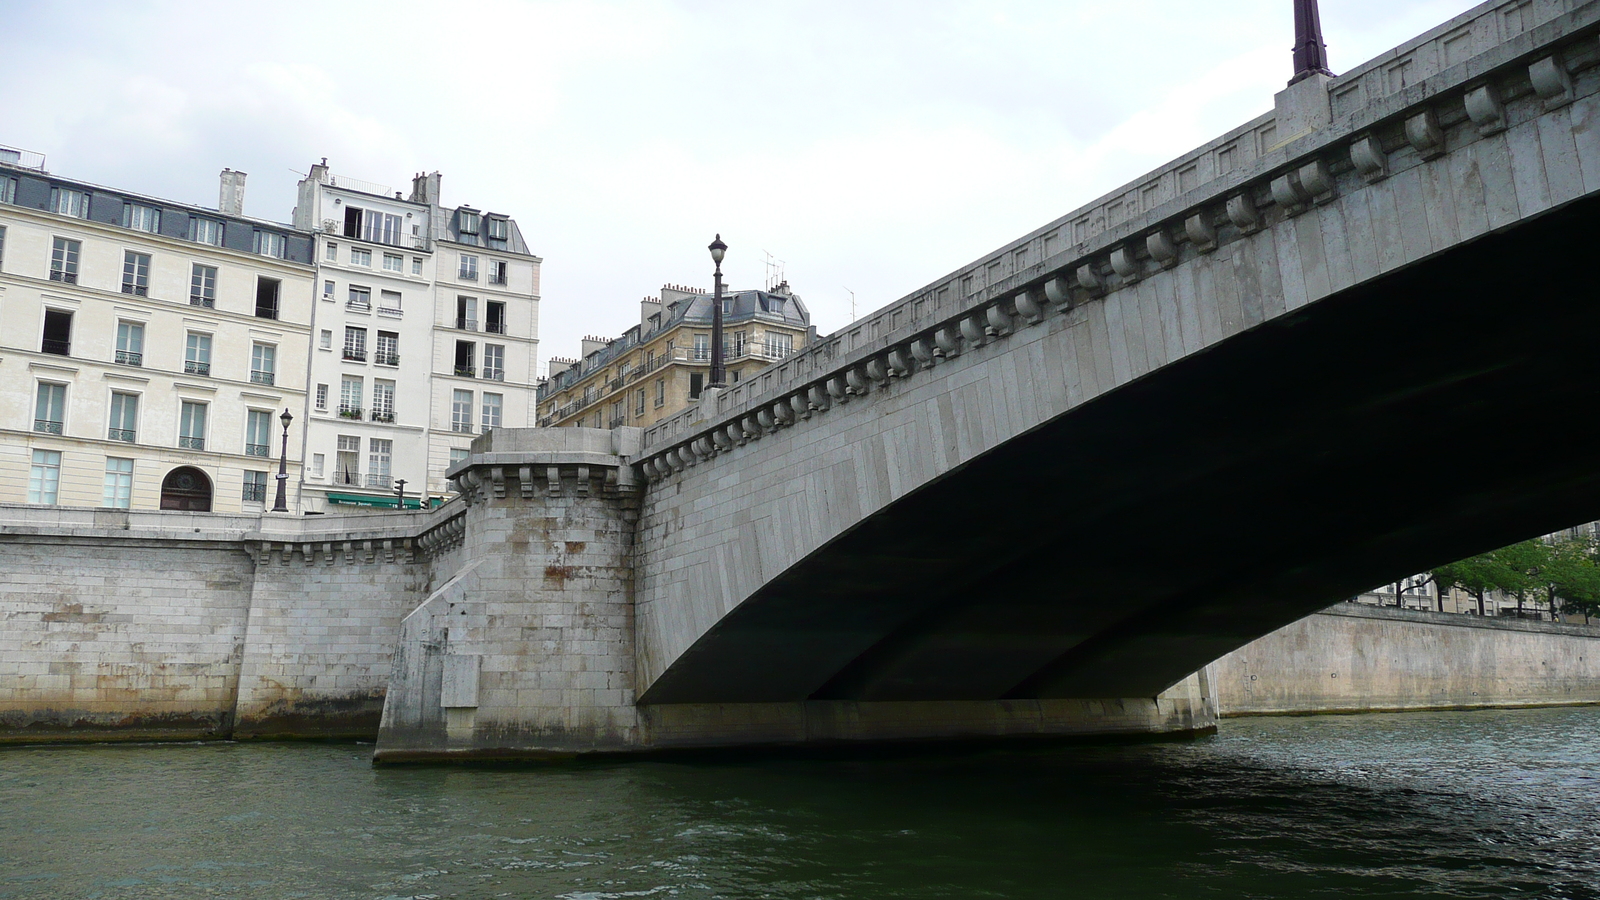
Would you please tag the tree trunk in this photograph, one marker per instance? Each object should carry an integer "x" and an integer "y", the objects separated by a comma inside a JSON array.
[{"x": 1480, "y": 603}]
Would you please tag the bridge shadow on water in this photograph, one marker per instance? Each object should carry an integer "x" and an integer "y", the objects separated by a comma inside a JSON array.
[{"x": 1420, "y": 418}]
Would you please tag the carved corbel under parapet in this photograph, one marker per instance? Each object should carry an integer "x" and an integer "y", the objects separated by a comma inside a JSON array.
[
  {"x": 1242, "y": 213},
  {"x": 1163, "y": 249},
  {"x": 1425, "y": 135},
  {"x": 1125, "y": 264},
  {"x": 1201, "y": 233},
  {"x": 1551, "y": 81},
  {"x": 1483, "y": 108},
  {"x": 1366, "y": 154}
]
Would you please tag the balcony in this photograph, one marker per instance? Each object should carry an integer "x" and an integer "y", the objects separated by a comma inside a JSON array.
[
  {"x": 461, "y": 427},
  {"x": 465, "y": 371},
  {"x": 393, "y": 313},
  {"x": 465, "y": 275},
  {"x": 192, "y": 443},
  {"x": 262, "y": 450},
  {"x": 385, "y": 417},
  {"x": 64, "y": 277},
  {"x": 495, "y": 326},
  {"x": 259, "y": 377},
  {"x": 386, "y": 359},
  {"x": 130, "y": 358},
  {"x": 495, "y": 374},
  {"x": 466, "y": 324},
  {"x": 355, "y": 354},
  {"x": 255, "y": 493},
  {"x": 206, "y": 302},
  {"x": 138, "y": 290},
  {"x": 195, "y": 367},
  {"x": 381, "y": 481},
  {"x": 125, "y": 435},
  {"x": 47, "y": 426},
  {"x": 351, "y": 477},
  {"x": 349, "y": 412},
  {"x": 358, "y": 305},
  {"x": 59, "y": 348}
]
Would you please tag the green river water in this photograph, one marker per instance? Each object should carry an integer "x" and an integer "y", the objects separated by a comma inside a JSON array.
[{"x": 1465, "y": 804}]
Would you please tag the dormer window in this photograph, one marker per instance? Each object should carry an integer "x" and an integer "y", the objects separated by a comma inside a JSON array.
[
  {"x": 499, "y": 230},
  {"x": 469, "y": 222}
]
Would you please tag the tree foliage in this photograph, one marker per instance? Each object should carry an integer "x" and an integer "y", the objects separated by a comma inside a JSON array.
[{"x": 1561, "y": 574}]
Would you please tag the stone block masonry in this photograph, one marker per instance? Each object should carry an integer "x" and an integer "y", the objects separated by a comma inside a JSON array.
[{"x": 182, "y": 626}]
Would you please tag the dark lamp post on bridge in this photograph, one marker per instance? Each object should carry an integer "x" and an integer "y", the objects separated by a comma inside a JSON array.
[
  {"x": 1310, "y": 53},
  {"x": 718, "y": 376},
  {"x": 281, "y": 502}
]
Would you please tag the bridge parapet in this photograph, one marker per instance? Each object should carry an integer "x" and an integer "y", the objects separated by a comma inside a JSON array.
[{"x": 1492, "y": 67}]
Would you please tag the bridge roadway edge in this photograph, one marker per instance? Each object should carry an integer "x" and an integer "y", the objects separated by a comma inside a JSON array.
[{"x": 1473, "y": 151}]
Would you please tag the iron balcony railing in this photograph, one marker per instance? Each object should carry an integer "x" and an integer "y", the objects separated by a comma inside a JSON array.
[
  {"x": 257, "y": 450},
  {"x": 464, "y": 275},
  {"x": 349, "y": 412},
  {"x": 466, "y": 323},
  {"x": 465, "y": 371},
  {"x": 377, "y": 480},
  {"x": 494, "y": 374},
  {"x": 461, "y": 427},
  {"x": 195, "y": 367},
  {"x": 47, "y": 426},
  {"x": 138, "y": 290},
  {"x": 59, "y": 348},
  {"x": 130, "y": 358},
  {"x": 350, "y": 478},
  {"x": 207, "y": 302},
  {"x": 387, "y": 417},
  {"x": 355, "y": 354},
  {"x": 495, "y": 327},
  {"x": 192, "y": 443},
  {"x": 386, "y": 359},
  {"x": 358, "y": 305},
  {"x": 255, "y": 493},
  {"x": 259, "y": 377},
  {"x": 64, "y": 277},
  {"x": 121, "y": 434}
]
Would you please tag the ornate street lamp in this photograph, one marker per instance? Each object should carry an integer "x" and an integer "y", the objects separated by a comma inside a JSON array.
[
  {"x": 718, "y": 376},
  {"x": 281, "y": 503}
]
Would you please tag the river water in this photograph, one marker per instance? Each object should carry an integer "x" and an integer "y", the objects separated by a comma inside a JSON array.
[{"x": 1466, "y": 804}]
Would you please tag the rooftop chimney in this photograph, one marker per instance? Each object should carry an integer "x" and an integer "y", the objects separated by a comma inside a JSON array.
[
  {"x": 425, "y": 188},
  {"x": 648, "y": 307},
  {"x": 231, "y": 199}
]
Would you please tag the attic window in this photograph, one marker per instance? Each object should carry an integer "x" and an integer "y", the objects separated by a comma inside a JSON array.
[
  {"x": 499, "y": 229},
  {"x": 469, "y": 222}
]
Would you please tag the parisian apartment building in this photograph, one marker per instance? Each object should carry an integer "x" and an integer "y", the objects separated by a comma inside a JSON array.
[
  {"x": 659, "y": 366},
  {"x": 425, "y": 336},
  {"x": 150, "y": 350}
]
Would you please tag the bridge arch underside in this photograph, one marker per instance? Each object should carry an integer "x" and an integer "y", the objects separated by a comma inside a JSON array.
[{"x": 1436, "y": 412}]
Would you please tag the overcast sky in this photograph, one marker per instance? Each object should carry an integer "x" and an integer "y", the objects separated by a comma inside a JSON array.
[{"x": 870, "y": 146}]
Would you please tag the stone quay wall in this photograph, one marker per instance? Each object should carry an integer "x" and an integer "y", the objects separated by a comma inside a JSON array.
[
  {"x": 1353, "y": 658},
  {"x": 118, "y": 625}
]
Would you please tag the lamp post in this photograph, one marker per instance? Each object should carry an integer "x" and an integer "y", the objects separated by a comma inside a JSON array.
[
  {"x": 1310, "y": 53},
  {"x": 718, "y": 376},
  {"x": 281, "y": 503},
  {"x": 400, "y": 494}
]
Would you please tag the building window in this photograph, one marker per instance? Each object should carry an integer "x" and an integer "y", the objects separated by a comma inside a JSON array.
[
  {"x": 458, "y": 455},
  {"x": 331, "y": 252},
  {"x": 255, "y": 487},
  {"x": 737, "y": 345},
  {"x": 192, "y": 426},
  {"x": 779, "y": 345},
  {"x": 394, "y": 262},
  {"x": 696, "y": 381},
  {"x": 44, "y": 477},
  {"x": 360, "y": 257},
  {"x": 469, "y": 222},
  {"x": 416, "y": 265},
  {"x": 492, "y": 404},
  {"x": 205, "y": 231},
  {"x": 318, "y": 463},
  {"x": 327, "y": 290},
  {"x": 388, "y": 349},
  {"x": 469, "y": 268},
  {"x": 350, "y": 391},
  {"x": 257, "y": 433},
  {"x": 322, "y": 396},
  {"x": 465, "y": 351},
  {"x": 638, "y": 409},
  {"x": 360, "y": 299},
  {"x": 263, "y": 364},
  {"x": 64, "y": 261},
  {"x": 119, "y": 483},
  {"x": 136, "y": 273},
  {"x": 66, "y": 202},
  {"x": 124, "y": 417},
  {"x": 661, "y": 392},
  {"x": 49, "y": 408},
  {"x": 197, "y": 354},
  {"x": 382, "y": 401},
  {"x": 130, "y": 343},
  {"x": 467, "y": 313},
  {"x": 266, "y": 298},
  {"x": 379, "y": 454},
  {"x": 617, "y": 417},
  {"x": 355, "y": 344},
  {"x": 348, "y": 460},
  {"x": 702, "y": 347},
  {"x": 380, "y": 228},
  {"x": 57, "y": 337},
  {"x": 497, "y": 271},
  {"x": 494, "y": 362},
  {"x": 494, "y": 313},
  {"x": 325, "y": 339},
  {"x": 389, "y": 303},
  {"x": 270, "y": 243},
  {"x": 8, "y": 190},
  {"x": 141, "y": 218},
  {"x": 203, "y": 286},
  {"x": 2, "y": 243},
  {"x": 461, "y": 411},
  {"x": 499, "y": 230}
]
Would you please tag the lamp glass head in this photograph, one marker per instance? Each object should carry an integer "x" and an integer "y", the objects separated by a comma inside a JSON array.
[
  {"x": 286, "y": 418},
  {"x": 718, "y": 248}
]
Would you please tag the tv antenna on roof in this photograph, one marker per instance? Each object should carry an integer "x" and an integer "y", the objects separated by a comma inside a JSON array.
[
  {"x": 852, "y": 304},
  {"x": 774, "y": 270}
]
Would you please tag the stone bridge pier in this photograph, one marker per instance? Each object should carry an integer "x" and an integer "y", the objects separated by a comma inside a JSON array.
[{"x": 529, "y": 649}]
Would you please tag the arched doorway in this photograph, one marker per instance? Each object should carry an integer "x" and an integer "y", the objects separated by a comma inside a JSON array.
[{"x": 186, "y": 488}]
